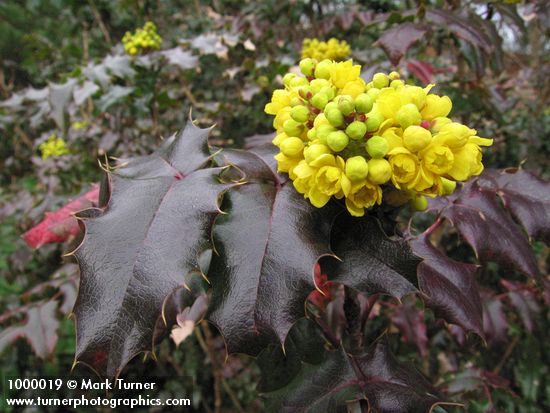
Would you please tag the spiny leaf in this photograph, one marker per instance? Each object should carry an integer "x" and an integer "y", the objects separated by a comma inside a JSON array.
[
  {"x": 39, "y": 328},
  {"x": 267, "y": 244},
  {"x": 341, "y": 378},
  {"x": 370, "y": 261},
  {"x": 397, "y": 40},
  {"x": 489, "y": 228},
  {"x": 449, "y": 285},
  {"x": 140, "y": 247}
]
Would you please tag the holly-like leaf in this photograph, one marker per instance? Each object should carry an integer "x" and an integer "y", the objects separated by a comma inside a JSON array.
[
  {"x": 397, "y": 40},
  {"x": 449, "y": 285},
  {"x": 267, "y": 244},
  {"x": 411, "y": 323},
  {"x": 60, "y": 225},
  {"x": 487, "y": 225},
  {"x": 138, "y": 249},
  {"x": 495, "y": 324},
  {"x": 39, "y": 328},
  {"x": 369, "y": 260},
  {"x": 340, "y": 378}
]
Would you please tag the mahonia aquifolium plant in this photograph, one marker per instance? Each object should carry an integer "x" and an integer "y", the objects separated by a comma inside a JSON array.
[
  {"x": 369, "y": 142},
  {"x": 143, "y": 40},
  {"x": 53, "y": 146},
  {"x": 333, "y": 49}
]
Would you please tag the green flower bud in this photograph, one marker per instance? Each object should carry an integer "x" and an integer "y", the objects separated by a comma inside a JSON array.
[
  {"x": 322, "y": 70},
  {"x": 419, "y": 203},
  {"x": 346, "y": 104},
  {"x": 448, "y": 186},
  {"x": 330, "y": 106},
  {"x": 312, "y": 152},
  {"x": 377, "y": 147},
  {"x": 318, "y": 84},
  {"x": 356, "y": 130},
  {"x": 292, "y": 147},
  {"x": 396, "y": 84},
  {"x": 416, "y": 138},
  {"x": 307, "y": 66},
  {"x": 329, "y": 91},
  {"x": 373, "y": 93},
  {"x": 323, "y": 131},
  {"x": 363, "y": 103},
  {"x": 374, "y": 120},
  {"x": 380, "y": 80},
  {"x": 312, "y": 134},
  {"x": 394, "y": 75},
  {"x": 337, "y": 141},
  {"x": 292, "y": 128},
  {"x": 319, "y": 100},
  {"x": 335, "y": 117},
  {"x": 298, "y": 81},
  {"x": 287, "y": 78},
  {"x": 379, "y": 171},
  {"x": 408, "y": 115},
  {"x": 357, "y": 168},
  {"x": 295, "y": 101},
  {"x": 299, "y": 113}
]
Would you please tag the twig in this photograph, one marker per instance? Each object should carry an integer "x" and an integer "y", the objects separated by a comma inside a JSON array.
[
  {"x": 206, "y": 346},
  {"x": 506, "y": 354},
  {"x": 102, "y": 27}
]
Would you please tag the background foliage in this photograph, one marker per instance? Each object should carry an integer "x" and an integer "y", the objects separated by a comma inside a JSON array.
[{"x": 68, "y": 76}]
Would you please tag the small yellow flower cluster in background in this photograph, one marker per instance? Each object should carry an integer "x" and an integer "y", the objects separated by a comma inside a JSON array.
[
  {"x": 368, "y": 142},
  {"x": 333, "y": 49},
  {"x": 53, "y": 146},
  {"x": 144, "y": 39}
]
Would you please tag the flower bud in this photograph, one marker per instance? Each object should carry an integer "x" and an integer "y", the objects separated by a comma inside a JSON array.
[
  {"x": 419, "y": 203},
  {"x": 299, "y": 113},
  {"x": 292, "y": 128},
  {"x": 335, "y": 117},
  {"x": 379, "y": 171},
  {"x": 396, "y": 84},
  {"x": 394, "y": 75},
  {"x": 416, "y": 138},
  {"x": 329, "y": 91},
  {"x": 356, "y": 130},
  {"x": 448, "y": 186},
  {"x": 322, "y": 69},
  {"x": 377, "y": 147},
  {"x": 287, "y": 78},
  {"x": 363, "y": 103},
  {"x": 317, "y": 84},
  {"x": 357, "y": 168},
  {"x": 438, "y": 123},
  {"x": 346, "y": 104},
  {"x": 292, "y": 147},
  {"x": 319, "y": 100},
  {"x": 312, "y": 152},
  {"x": 312, "y": 134},
  {"x": 374, "y": 120},
  {"x": 307, "y": 66},
  {"x": 380, "y": 80},
  {"x": 298, "y": 81},
  {"x": 323, "y": 131},
  {"x": 408, "y": 115},
  {"x": 337, "y": 141},
  {"x": 373, "y": 93}
]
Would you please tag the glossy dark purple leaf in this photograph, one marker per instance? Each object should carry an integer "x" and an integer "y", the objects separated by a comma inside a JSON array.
[
  {"x": 495, "y": 324},
  {"x": 524, "y": 299},
  {"x": 449, "y": 285},
  {"x": 137, "y": 250},
  {"x": 267, "y": 244},
  {"x": 412, "y": 325},
  {"x": 397, "y": 40}
]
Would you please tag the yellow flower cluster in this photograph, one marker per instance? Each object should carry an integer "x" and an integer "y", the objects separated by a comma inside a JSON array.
[
  {"x": 333, "y": 49},
  {"x": 144, "y": 39},
  {"x": 340, "y": 136},
  {"x": 53, "y": 146}
]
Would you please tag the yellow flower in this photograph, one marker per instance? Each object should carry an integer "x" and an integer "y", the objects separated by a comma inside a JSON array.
[
  {"x": 333, "y": 49},
  {"x": 331, "y": 179},
  {"x": 353, "y": 88},
  {"x": 279, "y": 100},
  {"x": 362, "y": 196},
  {"x": 344, "y": 72},
  {"x": 405, "y": 167},
  {"x": 143, "y": 39},
  {"x": 436, "y": 106},
  {"x": 438, "y": 159},
  {"x": 467, "y": 162},
  {"x": 53, "y": 146}
]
